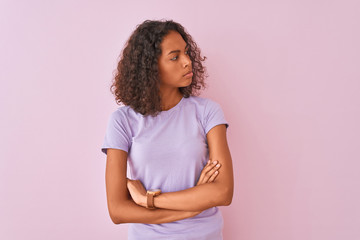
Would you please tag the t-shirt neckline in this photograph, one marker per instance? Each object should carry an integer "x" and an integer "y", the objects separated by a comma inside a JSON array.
[{"x": 173, "y": 108}]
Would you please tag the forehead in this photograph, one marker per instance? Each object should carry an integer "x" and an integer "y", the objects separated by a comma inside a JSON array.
[{"x": 172, "y": 41}]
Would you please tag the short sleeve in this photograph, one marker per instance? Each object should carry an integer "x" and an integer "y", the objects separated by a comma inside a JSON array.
[
  {"x": 117, "y": 134},
  {"x": 213, "y": 116}
]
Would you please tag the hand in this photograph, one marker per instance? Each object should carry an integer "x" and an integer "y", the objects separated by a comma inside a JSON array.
[
  {"x": 137, "y": 191},
  {"x": 209, "y": 172}
]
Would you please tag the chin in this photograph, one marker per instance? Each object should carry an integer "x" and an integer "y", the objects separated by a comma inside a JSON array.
[{"x": 187, "y": 82}]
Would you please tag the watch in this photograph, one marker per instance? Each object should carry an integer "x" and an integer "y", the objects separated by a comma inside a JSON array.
[{"x": 150, "y": 194}]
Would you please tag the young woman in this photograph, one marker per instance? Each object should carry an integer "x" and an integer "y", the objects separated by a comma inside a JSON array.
[{"x": 173, "y": 141}]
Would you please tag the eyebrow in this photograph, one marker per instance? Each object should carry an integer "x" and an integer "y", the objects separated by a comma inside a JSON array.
[{"x": 176, "y": 51}]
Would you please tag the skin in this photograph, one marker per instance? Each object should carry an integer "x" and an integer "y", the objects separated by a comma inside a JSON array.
[
  {"x": 122, "y": 208},
  {"x": 127, "y": 198},
  {"x": 174, "y": 62}
]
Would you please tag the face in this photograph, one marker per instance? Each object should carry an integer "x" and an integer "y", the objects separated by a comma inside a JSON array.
[{"x": 174, "y": 62}]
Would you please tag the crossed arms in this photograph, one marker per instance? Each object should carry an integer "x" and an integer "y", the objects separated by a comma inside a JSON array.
[{"x": 212, "y": 190}]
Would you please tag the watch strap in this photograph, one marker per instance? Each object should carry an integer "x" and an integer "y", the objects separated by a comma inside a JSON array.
[
  {"x": 150, "y": 194},
  {"x": 150, "y": 200}
]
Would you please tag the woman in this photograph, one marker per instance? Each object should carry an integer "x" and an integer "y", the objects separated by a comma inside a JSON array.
[{"x": 173, "y": 141}]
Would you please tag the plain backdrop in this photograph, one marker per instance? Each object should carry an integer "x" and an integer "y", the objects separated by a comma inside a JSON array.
[{"x": 286, "y": 74}]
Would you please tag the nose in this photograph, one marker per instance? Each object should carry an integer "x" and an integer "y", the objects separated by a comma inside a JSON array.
[{"x": 187, "y": 61}]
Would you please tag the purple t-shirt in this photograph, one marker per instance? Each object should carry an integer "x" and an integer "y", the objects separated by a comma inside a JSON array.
[{"x": 168, "y": 152}]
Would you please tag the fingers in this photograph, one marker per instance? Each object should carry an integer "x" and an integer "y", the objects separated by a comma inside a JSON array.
[
  {"x": 204, "y": 177},
  {"x": 202, "y": 174},
  {"x": 212, "y": 178},
  {"x": 209, "y": 172},
  {"x": 213, "y": 172}
]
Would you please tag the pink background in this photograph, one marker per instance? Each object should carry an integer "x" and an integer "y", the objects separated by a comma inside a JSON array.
[{"x": 285, "y": 72}]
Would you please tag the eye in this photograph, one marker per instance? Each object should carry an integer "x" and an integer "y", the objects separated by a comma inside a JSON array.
[{"x": 174, "y": 58}]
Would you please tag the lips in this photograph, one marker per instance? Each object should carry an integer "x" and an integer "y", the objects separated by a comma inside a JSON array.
[{"x": 189, "y": 72}]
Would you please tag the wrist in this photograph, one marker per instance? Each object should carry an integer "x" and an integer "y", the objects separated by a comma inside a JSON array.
[
  {"x": 150, "y": 195},
  {"x": 143, "y": 201}
]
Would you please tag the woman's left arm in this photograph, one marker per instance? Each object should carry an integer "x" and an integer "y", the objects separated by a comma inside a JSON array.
[{"x": 203, "y": 196}]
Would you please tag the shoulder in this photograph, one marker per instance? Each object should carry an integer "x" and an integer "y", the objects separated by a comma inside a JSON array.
[
  {"x": 120, "y": 111},
  {"x": 208, "y": 111},
  {"x": 204, "y": 105},
  {"x": 201, "y": 102},
  {"x": 125, "y": 112},
  {"x": 125, "y": 117},
  {"x": 118, "y": 115}
]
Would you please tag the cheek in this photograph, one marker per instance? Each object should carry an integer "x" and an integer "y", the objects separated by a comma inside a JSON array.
[{"x": 169, "y": 70}]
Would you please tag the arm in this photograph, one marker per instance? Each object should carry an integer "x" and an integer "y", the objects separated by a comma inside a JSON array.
[
  {"x": 217, "y": 193},
  {"x": 121, "y": 208},
  {"x": 204, "y": 196}
]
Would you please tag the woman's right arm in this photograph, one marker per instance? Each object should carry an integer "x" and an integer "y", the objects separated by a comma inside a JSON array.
[{"x": 122, "y": 208}]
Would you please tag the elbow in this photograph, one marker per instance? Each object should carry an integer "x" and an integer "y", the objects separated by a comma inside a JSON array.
[
  {"x": 116, "y": 216},
  {"x": 226, "y": 196},
  {"x": 115, "y": 219},
  {"x": 227, "y": 201}
]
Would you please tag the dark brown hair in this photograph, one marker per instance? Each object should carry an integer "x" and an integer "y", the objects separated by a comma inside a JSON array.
[{"x": 136, "y": 82}]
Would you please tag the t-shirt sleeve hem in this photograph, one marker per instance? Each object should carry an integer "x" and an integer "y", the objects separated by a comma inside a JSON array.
[
  {"x": 214, "y": 125},
  {"x": 104, "y": 149}
]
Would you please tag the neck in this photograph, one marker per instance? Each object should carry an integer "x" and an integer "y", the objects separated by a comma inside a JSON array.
[{"x": 170, "y": 99}]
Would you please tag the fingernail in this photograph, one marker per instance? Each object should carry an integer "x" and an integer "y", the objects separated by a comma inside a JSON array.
[
  {"x": 214, "y": 162},
  {"x": 216, "y": 172},
  {"x": 218, "y": 165},
  {"x": 208, "y": 161}
]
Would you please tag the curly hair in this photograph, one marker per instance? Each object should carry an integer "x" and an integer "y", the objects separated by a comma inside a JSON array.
[{"x": 136, "y": 82}]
